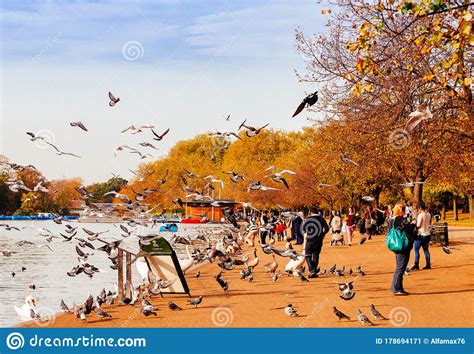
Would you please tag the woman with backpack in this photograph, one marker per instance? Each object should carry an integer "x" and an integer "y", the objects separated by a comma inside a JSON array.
[{"x": 400, "y": 241}]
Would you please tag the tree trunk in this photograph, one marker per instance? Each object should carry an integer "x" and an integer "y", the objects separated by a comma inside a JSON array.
[
  {"x": 443, "y": 212},
  {"x": 455, "y": 209},
  {"x": 418, "y": 190},
  {"x": 470, "y": 200}
]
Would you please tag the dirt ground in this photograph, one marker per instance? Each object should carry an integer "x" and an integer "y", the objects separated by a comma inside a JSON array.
[{"x": 440, "y": 297}]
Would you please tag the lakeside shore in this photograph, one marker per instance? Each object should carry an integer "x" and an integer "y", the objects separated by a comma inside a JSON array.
[{"x": 440, "y": 297}]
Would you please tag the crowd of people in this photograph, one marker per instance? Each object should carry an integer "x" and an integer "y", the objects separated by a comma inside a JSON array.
[{"x": 412, "y": 221}]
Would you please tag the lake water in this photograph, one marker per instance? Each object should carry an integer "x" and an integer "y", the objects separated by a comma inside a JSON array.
[{"x": 47, "y": 270}]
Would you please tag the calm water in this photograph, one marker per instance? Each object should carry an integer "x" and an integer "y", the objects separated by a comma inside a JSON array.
[{"x": 47, "y": 270}]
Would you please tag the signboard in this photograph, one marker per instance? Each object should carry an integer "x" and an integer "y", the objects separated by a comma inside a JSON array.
[{"x": 163, "y": 262}]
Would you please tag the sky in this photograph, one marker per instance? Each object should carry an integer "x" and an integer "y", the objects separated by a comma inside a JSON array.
[{"x": 181, "y": 65}]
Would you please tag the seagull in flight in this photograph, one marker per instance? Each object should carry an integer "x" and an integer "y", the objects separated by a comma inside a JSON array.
[
  {"x": 256, "y": 185},
  {"x": 40, "y": 188},
  {"x": 79, "y": 125},
  {"x": 119, "y": 195},
  {"x": 122, "y": 148},
  {"x": 145, "y": 144},
  {"x": 346, "y": 159},
  {"x": 214, "y": 180},
  {"x": 277, "y": 176},
  {"x": 34, "y": 137},
  {"x": 59, "y": 152},
  {"x": 235, "y": 177},
  {"x": 414, "y": 118},
  {"x": 409, "y": 184}
]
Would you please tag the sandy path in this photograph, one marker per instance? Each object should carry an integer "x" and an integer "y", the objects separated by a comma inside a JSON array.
[{"x": 441, "y": 297}]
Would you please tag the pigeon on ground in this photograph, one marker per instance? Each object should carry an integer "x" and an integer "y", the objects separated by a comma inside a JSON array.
[
  {"x": 447, "y": 249},
  {"x": 101, "y": 313},
  {"x": 196, "y": 301},
  {"x": 376, "y": 314},
  {"x": 363, "y": 318},
  {"x": 173, "y": 306},
  {"x": 340, "y": 315},
  {"x": 291, "y": 311}
]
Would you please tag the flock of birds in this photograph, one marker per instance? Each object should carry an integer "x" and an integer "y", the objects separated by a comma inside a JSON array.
[
  {"x": 225, "y": 250},
  {"x": 220, "y": 244}
]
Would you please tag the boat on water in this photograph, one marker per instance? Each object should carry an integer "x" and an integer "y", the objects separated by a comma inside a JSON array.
[
  {"x": 194, "y": 221},
  {"x": 169, "y": 228}
]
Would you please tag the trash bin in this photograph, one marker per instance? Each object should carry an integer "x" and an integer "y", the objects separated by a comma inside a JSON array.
[{"x": 439, "y": 233}]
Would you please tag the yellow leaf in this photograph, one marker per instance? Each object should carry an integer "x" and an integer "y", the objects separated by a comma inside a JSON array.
[
  {"x": 467, "y": 81},
  {"x": 323, "y": 12},
  {"x": 467, "y": 16},
  {"x": 368, "y": 88}
]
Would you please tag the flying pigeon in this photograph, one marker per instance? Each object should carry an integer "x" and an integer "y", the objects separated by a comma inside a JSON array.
[
  {"x": 308, "y": 101},
  {"x": 113, "y": 101}
]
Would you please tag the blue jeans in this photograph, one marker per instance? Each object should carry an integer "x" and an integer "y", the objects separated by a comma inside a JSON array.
[
  {"x": 401, "y": 259},
  {"x": 424, "y": 242}
]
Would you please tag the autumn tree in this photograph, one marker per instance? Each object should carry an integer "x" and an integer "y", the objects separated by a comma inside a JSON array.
[{"x": 376, "y": 63}]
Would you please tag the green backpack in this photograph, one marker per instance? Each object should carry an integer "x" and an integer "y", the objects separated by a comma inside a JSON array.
[{"x": 396, "y": 240}]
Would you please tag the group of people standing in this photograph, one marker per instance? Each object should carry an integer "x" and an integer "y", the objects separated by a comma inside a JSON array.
[{"x": 415, "y": 222}]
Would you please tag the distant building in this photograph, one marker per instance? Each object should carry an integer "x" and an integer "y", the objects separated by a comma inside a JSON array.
[
  {"x": 198, "y": 209},
  {"x": 77, "y": 207}
]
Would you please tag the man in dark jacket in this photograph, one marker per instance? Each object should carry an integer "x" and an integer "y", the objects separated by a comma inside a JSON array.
[
  {"x": 315, "y": 228},
  {"x": 296, "y": 232}
]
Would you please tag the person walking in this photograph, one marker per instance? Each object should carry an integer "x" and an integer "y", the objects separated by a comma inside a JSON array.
[
  {"x": 400, "y": 222},
  {"x": 423, "y": 237},
  {"x": 350, "y": 224},
  {"x": 315, "y": 228},
  {"x": 296, "y": 232},
  {"x": 369, "y": 221},
  {"x": 336, "y": 226}
]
